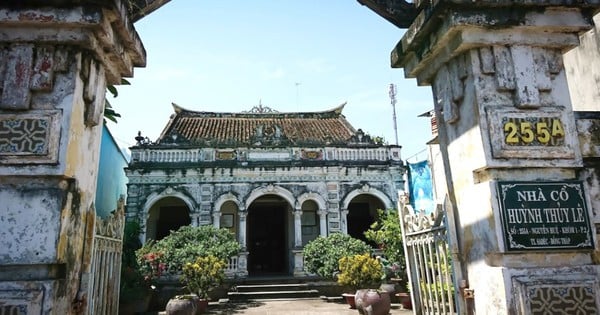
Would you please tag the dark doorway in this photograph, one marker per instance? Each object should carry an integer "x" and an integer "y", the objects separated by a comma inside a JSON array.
[
  {"x": 267, "y": 250},
  {"x": 171, "y": 219},
  {"x": 362, "y": 212},
  {"x": 359, "y": 220}
]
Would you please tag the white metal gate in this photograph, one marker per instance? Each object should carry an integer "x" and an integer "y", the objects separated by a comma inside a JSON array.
[
  {"x": 105, "y": 273},
  {"x": 428, "y": 260}
]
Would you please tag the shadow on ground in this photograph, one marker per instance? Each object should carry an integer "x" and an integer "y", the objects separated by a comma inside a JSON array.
[{"x": 233, "y": 308}]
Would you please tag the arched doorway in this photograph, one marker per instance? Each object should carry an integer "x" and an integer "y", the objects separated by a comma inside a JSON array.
[
  {"x": 310, "y": 221},
  {"x": 362, "y": 212},
  {"x": 267, "y": 236},
  {"x": 166, "y": 215}
]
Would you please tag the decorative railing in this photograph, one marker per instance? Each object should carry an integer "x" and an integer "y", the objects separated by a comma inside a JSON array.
[
  {"x": 352, "y": 154},
  {"x": 232, "y": 266},
  {"x": 168, "y": 155},
  {"x": 165, "y": 155}
]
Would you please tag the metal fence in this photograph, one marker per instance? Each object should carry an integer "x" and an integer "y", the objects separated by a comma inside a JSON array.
[
  {"x": 107, "y": 248},
  {"x": 429, "y": 262}
]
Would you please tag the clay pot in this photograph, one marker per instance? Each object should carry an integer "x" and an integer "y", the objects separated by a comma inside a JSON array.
[
  {"x": 373, "y": 302},
  {"x": 405, "y": 300},
  {"x": 202, "y": 306},
  {"x": 349, "y": 297},
  {"x": 183, "y": 305}
]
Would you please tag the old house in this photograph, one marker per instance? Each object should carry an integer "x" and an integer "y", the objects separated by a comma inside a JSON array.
[{"x": 276, "y": 180}]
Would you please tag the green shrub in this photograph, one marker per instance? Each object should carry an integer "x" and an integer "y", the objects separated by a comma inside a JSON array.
[
  {"x": 387, "y": 234},
  {"x": 186, "y": 245},
  {"x": 322, "y": 255},
  {"x": 133, "y": 285},
  {"x": 360, "y": 271}
]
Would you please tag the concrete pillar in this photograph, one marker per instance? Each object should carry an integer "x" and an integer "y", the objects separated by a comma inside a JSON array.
[
  {"x": 322, "y": 222},
  {"x": 55, "y": 64},
  {"x": 217, "y": 219},
  {"x": 298, "y": 228},
  {"x": 344, "y": 221},
  {"x": 195, "y": 218},
  {"x": 242, "y": 224},
  {"x": 510, "y": 149}
]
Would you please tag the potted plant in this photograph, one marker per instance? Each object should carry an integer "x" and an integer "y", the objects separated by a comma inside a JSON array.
[
  {"x": 203, "y": 275},
  {"x": 387, "y": 234},
  {"x": 391, "y": 274},
  {"x": 322, "y": 255},
  {"x": 135, "y": 291},
  {"x": 167, "y": 258},
  {"x": 364, "y": 273}
]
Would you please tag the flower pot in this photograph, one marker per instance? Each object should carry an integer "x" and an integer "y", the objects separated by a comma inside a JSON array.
[
  {"x": 202, "y": 306},
  {"x": 405, "y": 300},
  {"x": 349, "y": 297},
  {"x": 373, "y": 302},
  {"x": 182, "y": 305}
]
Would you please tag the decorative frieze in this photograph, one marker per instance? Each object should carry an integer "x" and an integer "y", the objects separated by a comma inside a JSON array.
[
  {"x": 522, "y": 71},
  {"x": 30, "y": 138},
  {"x": 549, "y": 295},
  {"x": 28, "y": 68},
  {"x": 93, "y": 91},
  {"x": 449, "y": 87}
]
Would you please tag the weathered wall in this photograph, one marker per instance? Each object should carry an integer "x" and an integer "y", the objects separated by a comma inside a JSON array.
[
  {"x": 48, "y": 215},
  {"x": 505, "y": 115},
  {"x": 54, "y": 67},
  {"x": 144, "y": 184},
  {"x": 582, "y": 66},
  {"x": 112, "y": 182}
]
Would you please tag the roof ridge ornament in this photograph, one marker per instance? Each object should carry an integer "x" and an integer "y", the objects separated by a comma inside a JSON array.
[{"x": 260, "y": 109}]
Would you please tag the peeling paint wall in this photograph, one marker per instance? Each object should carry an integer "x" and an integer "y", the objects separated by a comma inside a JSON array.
[
  {"x": 52, "y": 87},
  {"x": 495, "y": 73},
  {"x": 582, "y": 66}
]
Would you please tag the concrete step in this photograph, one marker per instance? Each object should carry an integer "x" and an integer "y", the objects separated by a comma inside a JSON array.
[
  {"x": 272, "y": 291},
  {"x": 272, "y": 295},
  {"x": 271, "y": 287}
]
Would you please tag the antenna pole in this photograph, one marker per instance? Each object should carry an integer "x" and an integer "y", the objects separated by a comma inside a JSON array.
[
  {"x": 393, "y": 101},
  {"x": 297, "y": 102}
]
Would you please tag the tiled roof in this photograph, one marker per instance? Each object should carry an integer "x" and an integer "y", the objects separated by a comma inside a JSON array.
[{"x": 260, "y": 127}]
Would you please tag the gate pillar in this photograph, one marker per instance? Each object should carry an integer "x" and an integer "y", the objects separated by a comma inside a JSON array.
[
  {"x": 510, "y": 148},
  {"x": 56, "y": 59}
]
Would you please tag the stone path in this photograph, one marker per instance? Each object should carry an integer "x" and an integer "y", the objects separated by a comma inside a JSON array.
[{"x": 296, "y": 307}]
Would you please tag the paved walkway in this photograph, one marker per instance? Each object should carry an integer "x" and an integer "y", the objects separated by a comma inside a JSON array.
[{"x": 297, "y": 307}]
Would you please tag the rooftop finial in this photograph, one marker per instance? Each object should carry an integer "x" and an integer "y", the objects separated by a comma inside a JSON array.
[{"x": 260, "y": 109}]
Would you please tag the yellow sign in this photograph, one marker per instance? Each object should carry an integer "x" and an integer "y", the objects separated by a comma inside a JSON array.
[{"x": 532, "y": 131}]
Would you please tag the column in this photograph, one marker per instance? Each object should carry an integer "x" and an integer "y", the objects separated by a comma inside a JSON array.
[
  {"x": 297, "y": 250},
  {"x": 217, "y": 219},
  {"x": 243, "y": 255},
  {"x": 344, "y": 220},
  {"x": 510, "y": 147},
  {"x": 298, "y": 228},
  {"x": 55, "y": 63},
  {"x": 323, "y": 222},
  {"x": 242, "y": 224}
]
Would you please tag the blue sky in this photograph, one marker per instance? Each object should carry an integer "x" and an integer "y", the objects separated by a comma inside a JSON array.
[{"x": 309, "y": 55}]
